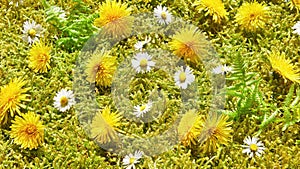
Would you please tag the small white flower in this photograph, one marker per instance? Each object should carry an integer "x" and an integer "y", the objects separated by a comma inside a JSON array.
[
  {"x": 59, "y": 12},
  {"x": 222, "y": 69},
  {"x": 64, "y": 100},
  {"x": 140, "y": 44},
  {"x": 162, "y": 14},
  {"x": 253, "y": 146},
  {"x": 142, "y": 62},
  {"x": 184, "y": 77},
  {"x": 31, "y": 32},
  {"x": 141, "y": 110},
  {"x": 297, "y": 28},
  {"x": 17, "y": 3},
  {"x": 130, "y": 160}
]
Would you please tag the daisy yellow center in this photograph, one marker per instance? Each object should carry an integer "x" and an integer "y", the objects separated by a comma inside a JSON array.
[
  {"x": 131, "y": 160},
  {"x": 64, "y": 101},
  {"x": 143, "y": 107},
  {"x": 164, "y": 15},
  {"x": 143, "y": 62},
  {"x": 32, "y": 32},
  {"x": 253, "y": 147},
  {"x": 182, "y": 77},
  {"x": 31, "y": 130}
]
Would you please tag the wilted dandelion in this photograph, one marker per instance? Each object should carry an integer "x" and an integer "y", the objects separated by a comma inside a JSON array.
[
  {"x": 189, "y": 128},
  {"x": 140, "y": 110},
  {"x": 284, "y": 66},
  {"x": 216, "y": 130},
  {"x": 251, "y": 16},
  {"x": 114, "y": 18},
  {"x": 215, "y": 8},
  {"x": 101, "y": 68},
  {"x": 31, "y": 32},
  {"x": 130, "y": 160},
  {"x": 27, "y": 130},
  {"x": 183, "y": 78},
  {"x": 189, "y": 44},
  {"x": 296, "y": 28},
  {"x": 11, "y": 96},
  {"x": 142, "y": 62},
  {"x": 163, "y": 15},
  {"x": 253, "y": 146},
  {"x": 104, "y": 125},
  {"x": 64, "y": 100},
  {"x": 39, "y": 57}
]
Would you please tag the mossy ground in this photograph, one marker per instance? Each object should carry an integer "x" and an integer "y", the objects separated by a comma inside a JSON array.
[{"x": 66, "y": 143}]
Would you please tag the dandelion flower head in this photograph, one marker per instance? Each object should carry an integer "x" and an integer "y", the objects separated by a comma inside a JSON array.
[
  {"x": 190, "y": 44},
  {"x": 104, "y": 126},
  {"x": 189, "y": 128},
  {"x": 284, "y": 66},
  {"x": 215, "y": 8},
  {"x": 11, "y": 97},
  {"x": 251, "y": 16},
  {"x": 114, "y": 18},
  {"x": 215, "y": 131},
  {"x": 27, "y": 130},
  {"x": 100, "y": 68},
  {"x": 39, "y": 57}
]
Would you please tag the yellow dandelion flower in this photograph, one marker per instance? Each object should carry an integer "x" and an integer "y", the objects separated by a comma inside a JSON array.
[
  {"x": 189, "y": 128},
  {"x": 294, "y": 4},
  {"x": 115, "y": 19},
  {"x": 39, "y": 57},
  {"x": 27, "y": 130},
  {"x": 284, "y": 67},
  {"x": 215, "y": 131},
  {"x": 189, "y": 44},
  {"x": 104, "y": 126},
  {"x": 11, "y": 96},
  {"x": 215, "y": 8},
  {"x": 252, "y": 16},
  {"x": 101, "y": 68}
]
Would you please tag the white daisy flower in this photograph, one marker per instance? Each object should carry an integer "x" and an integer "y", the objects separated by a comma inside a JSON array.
[
  {"x": 184, "y": 77},
  {"x": 162, "y": 14},
  {"x": 141, "y": 110},
  {"x": 64, "y": 100},
  {"x": 31, "y": 32},
  {"x": 253, "y": 146},
  {"x": 140, "y": 44},
  {"x": 130, "y": 160},
  {"x": 142, "y": 62},
  {"x": 297, "y": 28},
  {"x": 222, "y": 69},
  {"x": 58, "y": 12}
]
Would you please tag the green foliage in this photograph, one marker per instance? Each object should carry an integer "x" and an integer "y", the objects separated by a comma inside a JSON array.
[
  {"x": 244, "y": 88},
  {"x": 74, "y": 30},
  {"x": 288, "y": 113}
]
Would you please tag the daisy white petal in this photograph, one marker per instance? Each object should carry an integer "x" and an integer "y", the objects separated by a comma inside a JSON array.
[
  {"x": 130, "y": 160},
  {"x": 296, "y": 28},
  {"x": 183, "y": 78},
  {"x": 31, "y": 31},
  {"x": 139, "y": 111},
  {"x": 142, "y": 62},
  {"x": 64, "y": 100},
  {"x": 162, "y": 14},
  {"x": 253, "y": 147}
]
